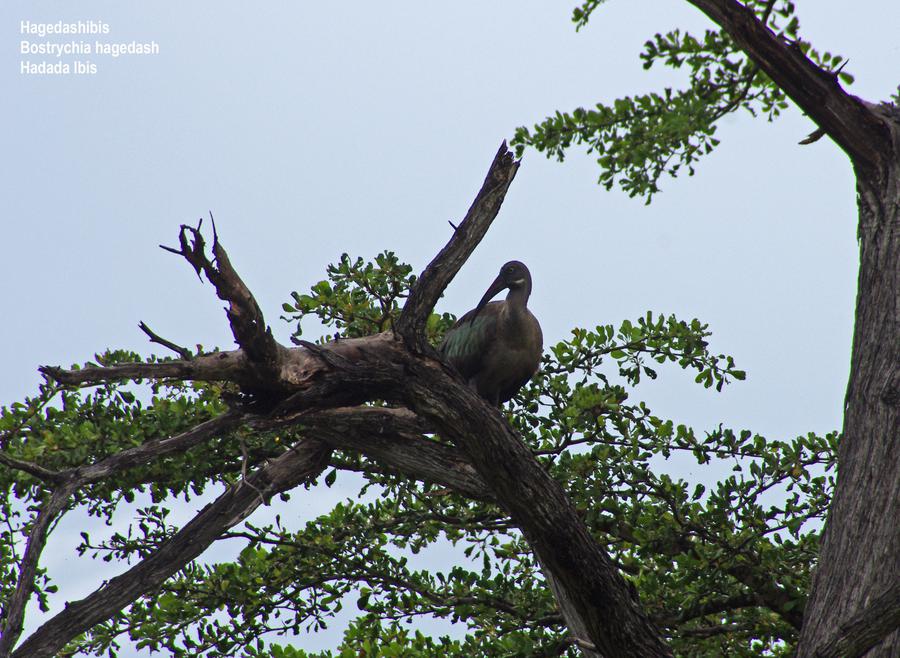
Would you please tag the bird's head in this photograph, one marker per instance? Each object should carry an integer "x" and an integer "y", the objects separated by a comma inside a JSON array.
[{"x": 513, "y": 276}]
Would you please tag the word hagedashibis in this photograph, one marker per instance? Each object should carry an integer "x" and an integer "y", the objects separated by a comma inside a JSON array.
[{"x": 60, "y": 27}]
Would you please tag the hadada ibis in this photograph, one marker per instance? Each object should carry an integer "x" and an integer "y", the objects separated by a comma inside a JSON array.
[{"x": 497, "y": 346}]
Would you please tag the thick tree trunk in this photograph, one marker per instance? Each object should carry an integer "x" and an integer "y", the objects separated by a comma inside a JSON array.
[
  {"x": 859, "y": 562},
  {"x": 860, "y": 552}
]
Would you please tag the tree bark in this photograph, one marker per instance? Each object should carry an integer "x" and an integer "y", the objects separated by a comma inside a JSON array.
[{"x": 859, "y": 559}]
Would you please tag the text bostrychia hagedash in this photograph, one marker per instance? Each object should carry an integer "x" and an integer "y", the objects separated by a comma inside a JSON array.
[{"x": 497, "y": 346}]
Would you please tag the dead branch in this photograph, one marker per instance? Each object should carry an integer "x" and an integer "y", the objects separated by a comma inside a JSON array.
[
  {"x": 183, "y": 352},
  {"x": 435, "y": 278},
  {"x": 219, "y": 366},
  {"x": 246, "y": 318}
]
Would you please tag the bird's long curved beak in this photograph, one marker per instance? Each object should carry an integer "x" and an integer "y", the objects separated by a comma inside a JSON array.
[{"x": 496, "y": 287}]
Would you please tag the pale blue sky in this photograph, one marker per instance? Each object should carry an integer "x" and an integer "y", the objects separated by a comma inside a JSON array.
[{"x": 311, "y": 129}]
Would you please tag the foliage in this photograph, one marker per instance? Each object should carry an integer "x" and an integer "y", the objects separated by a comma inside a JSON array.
[
  {"x": 359, "y": 298},
  {"x": 722, "y": 565},
  {"x": 639, "y": 138}
]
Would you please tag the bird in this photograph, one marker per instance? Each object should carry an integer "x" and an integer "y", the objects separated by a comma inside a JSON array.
[{"x": 497, "y": 346}]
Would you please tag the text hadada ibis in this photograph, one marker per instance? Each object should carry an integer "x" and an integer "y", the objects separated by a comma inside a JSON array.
[{"x": 497, "y": 346}]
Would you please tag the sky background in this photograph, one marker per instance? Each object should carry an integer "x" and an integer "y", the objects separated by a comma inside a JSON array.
[{"x": 313, "y": 129}]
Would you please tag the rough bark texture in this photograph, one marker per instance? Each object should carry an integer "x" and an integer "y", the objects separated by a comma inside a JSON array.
[
  {"x": 860, "y": 551},
  {"x": 866, "y": 629}
]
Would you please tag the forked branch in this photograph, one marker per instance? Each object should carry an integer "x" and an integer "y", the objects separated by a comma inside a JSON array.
[
  {"x": 435, "y": 278},
  {"x": 850, "y": 122},
  {"x": 246, "y": 318},
  {"x": 299, "y": 464}
]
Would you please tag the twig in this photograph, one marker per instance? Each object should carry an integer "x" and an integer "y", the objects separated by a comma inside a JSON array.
[
  {"x": 768, "y": 12},
  {"x": 183, "y": 352}
]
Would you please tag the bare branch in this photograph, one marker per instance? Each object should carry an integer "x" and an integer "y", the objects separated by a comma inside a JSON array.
[
  {"x": 849, "y": 122},
  {"x": 219, "y": 366},
  {"x": 183, "y": 352},
  {"x": 434, "y": 279},
  {"x": 247, "y": 323},
  {"x": 302, "y": 463}
]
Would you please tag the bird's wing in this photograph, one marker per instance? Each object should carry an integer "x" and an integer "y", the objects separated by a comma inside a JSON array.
[{"x": 467, "y": 341}]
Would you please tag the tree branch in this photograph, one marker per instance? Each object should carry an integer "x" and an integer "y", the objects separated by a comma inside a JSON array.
[
  {"x": 247, "y": 323},
  {"x": 15, "y": 606},
  {"x": 435, "y": 278},
  {"x": 155, "y": 448},
  {"x": 735, "y": 602},
  {"x": 849, "y": 121},
  {"x": 183, "y": 352},
  {"x": 303, "y": 462},
  {"x": 219, "y": 366},
  {"x": 788, "y": 605},
  {"x": 599, "y": 606},
  {"x": 393, "y": 438},
  {"x": 31, "y": 468}
]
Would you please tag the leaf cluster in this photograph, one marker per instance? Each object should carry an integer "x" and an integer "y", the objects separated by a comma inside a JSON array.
[
  {"x": 359, "y": 298},
  {"x": 637, "y": 139}
]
